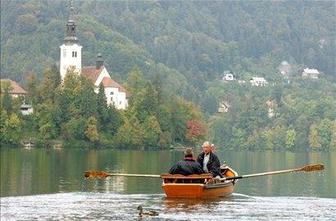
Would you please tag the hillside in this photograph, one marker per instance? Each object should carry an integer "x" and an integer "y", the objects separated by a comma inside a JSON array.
[
  {"x": 197, "y": 39},
  {"x": 188, "y": 45}
]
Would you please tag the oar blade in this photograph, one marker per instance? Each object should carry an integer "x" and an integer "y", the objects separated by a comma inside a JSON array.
[
  {"x": 312, "y": 167},
  {"x": 95, "y": 174}
]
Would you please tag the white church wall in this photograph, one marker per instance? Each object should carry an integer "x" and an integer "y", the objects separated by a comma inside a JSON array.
[
  {"x": 111, "y": 96},
  {"x": 70, "y": 56},
  {"x": 122, "y": 100},
  {"x": 101, "y": 76}
]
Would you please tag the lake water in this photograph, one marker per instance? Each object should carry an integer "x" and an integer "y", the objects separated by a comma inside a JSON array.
[{"x": 41, "y": 184}]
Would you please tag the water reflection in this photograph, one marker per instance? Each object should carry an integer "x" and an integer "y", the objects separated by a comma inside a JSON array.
[
  {"x": 37, "y": 171},
  {"x": 191, "y": 205},
  {"x": 111, "y": 206}
]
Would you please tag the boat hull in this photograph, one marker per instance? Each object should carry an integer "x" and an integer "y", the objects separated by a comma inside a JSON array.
[
  {"x": 194, "y": 190},
  {"x": 198, "y": 186}
]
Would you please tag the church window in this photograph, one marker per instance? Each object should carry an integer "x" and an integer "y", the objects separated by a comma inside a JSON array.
[
  {"x": 111, "y": 93},
  {"x": 74, "y": 54},
  {"x": 112, "y": 99}
]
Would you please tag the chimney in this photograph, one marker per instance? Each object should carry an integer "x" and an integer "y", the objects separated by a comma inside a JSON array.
[{"x": 100, "y": 61}]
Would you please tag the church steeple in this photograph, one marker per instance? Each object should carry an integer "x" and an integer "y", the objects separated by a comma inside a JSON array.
[
  {"x": 70, "y": 50},
  {"x": 71, "y": 28}
]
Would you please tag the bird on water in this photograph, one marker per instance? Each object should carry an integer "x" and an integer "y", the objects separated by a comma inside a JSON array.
[{"x": 146, "y": 213}]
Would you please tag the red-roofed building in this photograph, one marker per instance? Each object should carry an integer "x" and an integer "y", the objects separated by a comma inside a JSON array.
[
  {"x": 15, "y": 90},
  {"x": 71, "y": 57},
  {"x": 115, "y": 93}
]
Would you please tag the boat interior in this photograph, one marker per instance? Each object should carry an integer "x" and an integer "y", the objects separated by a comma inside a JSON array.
[{"x": 198, "y": 178}]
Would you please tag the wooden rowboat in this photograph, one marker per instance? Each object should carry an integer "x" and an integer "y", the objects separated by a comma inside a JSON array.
[
  {"x": 198, "y": 186},
  {"x": 203, "y": 185}
]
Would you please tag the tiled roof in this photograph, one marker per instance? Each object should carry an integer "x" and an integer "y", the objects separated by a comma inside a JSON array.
[
  {"x": 109, "y": 82},
  {"x": 15, "y": 87},
  {"x": 91, "y": 73}
]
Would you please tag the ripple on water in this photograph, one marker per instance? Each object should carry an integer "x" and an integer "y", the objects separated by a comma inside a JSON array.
[{"x": 111, "y": 206}]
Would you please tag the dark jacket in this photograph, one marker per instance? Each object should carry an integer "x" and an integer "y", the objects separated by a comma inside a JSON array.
[
  {"x": 186, "y": 167},
  {"x": 213, "y": 164}
]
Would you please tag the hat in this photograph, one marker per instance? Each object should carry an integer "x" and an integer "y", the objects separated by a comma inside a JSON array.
[
  {"x": 188, "y": 152},
  {"x": 206, "y": 144}
]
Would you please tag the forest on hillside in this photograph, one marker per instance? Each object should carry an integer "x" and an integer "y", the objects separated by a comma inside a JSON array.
[
  {"x": 196, "y": 39},
  {"x": 188, "y": 45}
]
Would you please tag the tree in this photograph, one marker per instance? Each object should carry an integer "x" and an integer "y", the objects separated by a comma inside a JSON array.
[
  {"x": 47, "y": 131},
  {"x": 209, "y": 104},
  {"x": 12, "y": 129},
  {"x": 152, "y": 132},
  {"x": 114, "y": 120},
  {"x": 7, "y": 100},
  {"x": 86, "y": 99},
  {"x": 74, "y": 129},
  {"x": 290, "y": 138},
  {"x": 325, "y": 132},
  {"x": 32, "y": 87},
  {"x": 314, "y": 138},
  {"x": 102, "y": 109},
  {"x": 130, "y": 134},
  {"x": 135, "y": 82},
  {"x": 91, "y": 131},
  {"x": 196, "y": 131},
  {"x": 333, "y": 135},
  {"x": 49, "y": 83}
]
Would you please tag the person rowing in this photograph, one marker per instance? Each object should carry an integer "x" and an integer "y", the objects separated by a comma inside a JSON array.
[{"x": 187, "y": 166}]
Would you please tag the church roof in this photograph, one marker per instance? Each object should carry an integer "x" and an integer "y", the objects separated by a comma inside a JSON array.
[
  {"x": 91, "y": 73},
  {"x": 109, "y": 82},
  {"x": 15, "y": 87}
]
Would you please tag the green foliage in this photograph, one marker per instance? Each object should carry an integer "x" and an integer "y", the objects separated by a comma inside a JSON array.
[
  {"x": 6, "y": 100},
  {"x": 192, "y": 40},
  {"x": 74, "y": 129},
  {"x": 165, "y": 49},
  {"x": 91, "y": 131},
  {"x": 152, "y": 132},
  {"x": 32, "y": 88},
  {"x": 49, "y": 84},
  {"x": 11, "y": 127},
  {"x": 303, "y": 115},
  {"x": 290, "y": 138},
  {"x": 130, "y": 134}
]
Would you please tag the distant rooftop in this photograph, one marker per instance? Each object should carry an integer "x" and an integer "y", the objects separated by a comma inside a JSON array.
[{"x": 15, "y": 88}]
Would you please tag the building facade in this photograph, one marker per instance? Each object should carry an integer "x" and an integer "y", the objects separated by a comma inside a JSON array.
[
  {"x": 70, "y": 50},
  {"x": 71, "y": 58}
]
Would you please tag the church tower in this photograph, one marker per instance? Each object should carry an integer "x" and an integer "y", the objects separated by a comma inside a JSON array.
[{"x": 70, "y": 50}]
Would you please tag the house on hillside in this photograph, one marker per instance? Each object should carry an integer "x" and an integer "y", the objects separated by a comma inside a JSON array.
[
  {"x": 258, "y": 81},
  {"x": 285, "y": 68},
  {"x": 223, "y": 107},
  {"x": 310, "y": 73},
  {"x": 71, "y": 58},
  {"x": 15, "y": 90},
  {"x": 26, "y": 109},
  {"x": 228, "y": 76}
]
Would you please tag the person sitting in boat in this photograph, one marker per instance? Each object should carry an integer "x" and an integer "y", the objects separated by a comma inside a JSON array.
[
  {"x": 209, "y": 161},
  {"x": 187, "y": 166}
]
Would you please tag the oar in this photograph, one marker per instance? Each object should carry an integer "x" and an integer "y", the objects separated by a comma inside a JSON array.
[
  {"x": 103, "y": 174},
  {"x": 307, "y": 168}
]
